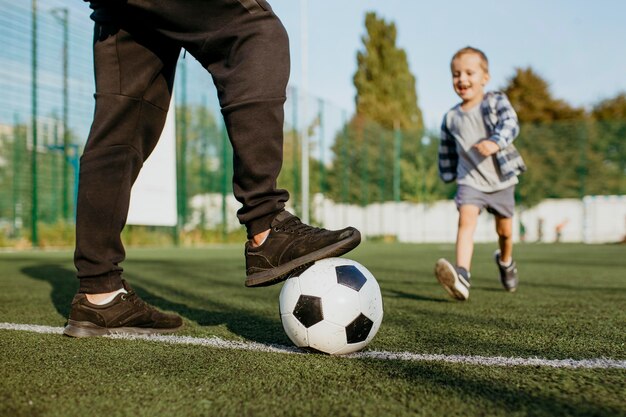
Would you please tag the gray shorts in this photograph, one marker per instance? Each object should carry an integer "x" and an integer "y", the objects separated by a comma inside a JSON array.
[{"x": 500, "y": 203}]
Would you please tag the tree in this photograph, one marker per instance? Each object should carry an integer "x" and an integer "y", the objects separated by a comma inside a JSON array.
[
  {"x": 610, "y": 131},
  {"x": 553, "y": 140},
  {"x": 385, "y": 86},
  {"x": 531, "y": 97},
  {"x": 376, "y": 154}
]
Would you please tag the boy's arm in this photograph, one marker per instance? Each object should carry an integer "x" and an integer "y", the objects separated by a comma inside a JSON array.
[
  {"x": 507, "y": 126},
  {"x": 448, "y": 158}
]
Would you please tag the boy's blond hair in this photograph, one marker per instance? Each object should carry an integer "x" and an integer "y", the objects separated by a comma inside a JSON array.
[{"x": 484, "y": 62}]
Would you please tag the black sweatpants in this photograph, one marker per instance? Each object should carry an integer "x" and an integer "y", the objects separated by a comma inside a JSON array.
[{"x": 243, "y": 46}]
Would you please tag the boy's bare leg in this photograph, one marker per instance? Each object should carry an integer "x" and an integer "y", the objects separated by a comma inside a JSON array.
[
  {"x": 504, "y": 256},
  {"x": 468, "y": 218},
  {"x": 504, "y": 228}
]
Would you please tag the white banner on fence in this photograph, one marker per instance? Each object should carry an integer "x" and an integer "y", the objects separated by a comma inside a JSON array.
[{"x": 153, "y": 198}]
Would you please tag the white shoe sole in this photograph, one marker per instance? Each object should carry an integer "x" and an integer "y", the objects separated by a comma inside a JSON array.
[{"x": 454, "y": 284}]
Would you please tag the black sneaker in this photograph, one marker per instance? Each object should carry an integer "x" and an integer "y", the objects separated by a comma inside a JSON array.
[
  {"x": 127, "y": 313},
  {"x": 292, "y": 246},
  {"x": 508, "y": 274},
  {"x": 455, "y": 280}
]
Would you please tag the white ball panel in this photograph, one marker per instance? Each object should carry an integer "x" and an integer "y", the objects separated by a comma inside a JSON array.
[
  {"x": 327, "y": 337},
  {"x": 374, "y": 329},
  {"x": 333, "y": 262},
  {"x": 318, "y": 279},
  {"x": 351, "y": 348},
  {"x": 370, "y": 298},
  {"x": 341, "y": 305},
  {"x": 289, "y": 295},
  {"x": 295, "y": 330}
]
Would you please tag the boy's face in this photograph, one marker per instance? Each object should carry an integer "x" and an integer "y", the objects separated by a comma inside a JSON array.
[{"x": 469, "y": 78}]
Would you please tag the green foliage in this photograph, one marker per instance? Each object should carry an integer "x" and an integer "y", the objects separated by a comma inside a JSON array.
[
  {"x": 16, "y": 180},
  {"x": 385, "y": 86},
  {"x": 205, "y": 164},
  {"x": 289, "y": 177},
  {"x": 374, "y": 164},
  {"x": 204, "y": 156},
  {"x": 610, "y": 132},
  {"x": 554, "y": 142},
  {"x": 377, "y": 157},
  {"x": 533, "y": 101}
]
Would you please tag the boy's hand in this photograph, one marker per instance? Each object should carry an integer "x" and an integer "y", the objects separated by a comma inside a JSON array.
[{"x": 487, "y": 147}]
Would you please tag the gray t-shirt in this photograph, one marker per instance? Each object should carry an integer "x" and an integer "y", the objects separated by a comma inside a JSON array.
[{"x": 475, "y": 170}]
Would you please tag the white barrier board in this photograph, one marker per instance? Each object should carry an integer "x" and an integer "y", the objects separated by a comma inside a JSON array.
[{"x": 153, "y": 197}]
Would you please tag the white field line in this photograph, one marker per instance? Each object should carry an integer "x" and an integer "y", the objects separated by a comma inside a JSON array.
[{"x": 216, "y": 342}]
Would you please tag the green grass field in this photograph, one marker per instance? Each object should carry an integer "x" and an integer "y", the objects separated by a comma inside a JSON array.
[{"x": 571, "y": 304}]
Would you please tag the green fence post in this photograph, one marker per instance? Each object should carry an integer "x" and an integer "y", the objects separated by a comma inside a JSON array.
[
  {"x": 320, "y": 118},
  {"x": 344, "y": 158},
  {"x": 182, "y": 154},
  {"x": 295, "y": 153},
  {"x": 34, "y": 195},
  {"x": 382, "y": 152},
  {"x": 61, "y": 14},
  {"x": 422, "y": 168},
  {"x": 17, "y": 163},
  {"x": 582, "y": 167},
  {"x": 396, "y": 162},
  {"x": 224, "y": 166},
  {"x": 203, "y": 158},
  {"x": 365, "y": 186},
  {"x": 53, "y": 157}
]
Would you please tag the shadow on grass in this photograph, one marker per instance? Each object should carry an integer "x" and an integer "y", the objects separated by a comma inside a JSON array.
[
  {"x": 498, "y": 290},
  {"x": 415, "y": 297},
  {"x": 580, "y": 261},
  {"x": 574, "y": 287},
  {"x": 63, "y": 281},
  {"x": 243, "y": 323},
  {"x": 500, "y": 391}
]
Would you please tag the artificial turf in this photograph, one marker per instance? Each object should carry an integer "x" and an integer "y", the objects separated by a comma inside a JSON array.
[{"x": 570, "y": 304}]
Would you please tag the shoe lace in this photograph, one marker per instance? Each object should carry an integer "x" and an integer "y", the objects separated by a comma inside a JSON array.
[
  {"x": 295, "y": 225},
  {"x": 132, "y": 297}
]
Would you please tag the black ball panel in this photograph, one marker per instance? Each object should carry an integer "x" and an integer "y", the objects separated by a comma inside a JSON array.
[
  {"x": 308, "y": 310},
  {"x": 359, "y": 329},
  {"x": 350, "y": 276}
]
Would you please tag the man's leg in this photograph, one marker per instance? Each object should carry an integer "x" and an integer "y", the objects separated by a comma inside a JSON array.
[
  {"x": 134, "y": 78},
  {"x": 246, "y": 49},
  {"x": 252, "y": 98},
  {"x": 133, "y": 88}
]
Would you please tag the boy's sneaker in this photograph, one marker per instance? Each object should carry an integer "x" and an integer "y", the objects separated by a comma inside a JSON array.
[
  {"x": 292, "y": 246},
  {"x": 127, "y": 313},
  {"x": 508, "y": 274},
  {"x": 455, "y": 280}
]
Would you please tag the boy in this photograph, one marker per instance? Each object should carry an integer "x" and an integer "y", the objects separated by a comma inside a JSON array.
[
  {"x": 476, "y": 150},
  {"x": 244, "y": 46}
]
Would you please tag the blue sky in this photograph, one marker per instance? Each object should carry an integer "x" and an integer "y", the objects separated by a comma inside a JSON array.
[{"x": 578, "y": 46}]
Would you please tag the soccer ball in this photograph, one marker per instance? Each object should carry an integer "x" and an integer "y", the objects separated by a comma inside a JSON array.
[{"x": 334, "y": 307}]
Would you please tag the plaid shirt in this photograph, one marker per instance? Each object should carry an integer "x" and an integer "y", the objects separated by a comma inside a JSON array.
[{"x": 501, "y": 122}]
